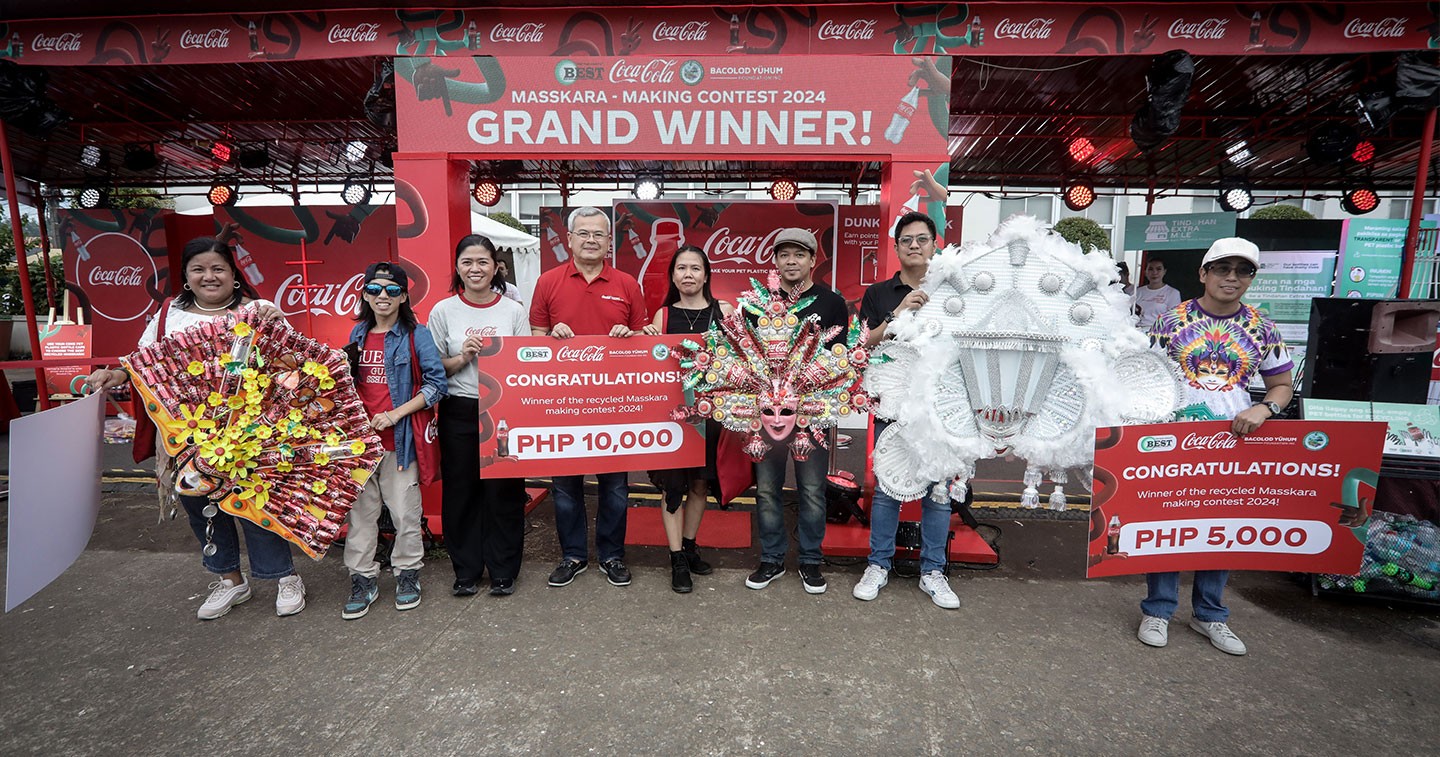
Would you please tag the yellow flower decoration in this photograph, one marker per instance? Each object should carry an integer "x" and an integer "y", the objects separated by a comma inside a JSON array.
[
  {"x": 299, "y": 432},
  {"x": 236, "y": 401},
  {"x": 242, "y": 329},
  {"x": 318, "y": 487},
  {"x": 264, "y": 432},
  {"x": 357, "y": 447},
  {"x": 322, "y": 458},
  {"x": 218, "y": 451},
  {"x": 332, "y": 439},
  {"x": 284, "y": 466},
  {"x": 257, "y": 491},
  {"x": 193, "y": 425},
  {"x": 263, "y": 381},
  {"x": 195, "y": 368},
  {"x": 310, "y": 368},
  {"x": 249, "y": 374},
  {"x": 215, "y": 399},
  {"x": 296, "y": 416},
  {"x": 327, "y": 383}
]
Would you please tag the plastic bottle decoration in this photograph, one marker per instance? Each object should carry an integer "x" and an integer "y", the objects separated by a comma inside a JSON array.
[
  {"x": 262, "y": 420},
  {"x": 774, "y": 381}
]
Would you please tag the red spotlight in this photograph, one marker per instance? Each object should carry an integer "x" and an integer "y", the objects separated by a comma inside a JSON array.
[
  {"x": 1364, "y": 151},
  {"x": 486, "y": 193},
  {"x": 1360, "y": 200},
  {"x": 1079, "y": 194},
  {"x": 1081, "y": 150},
  {"x": 784, "y": 189},
  {"x": 220, "y": 152}
]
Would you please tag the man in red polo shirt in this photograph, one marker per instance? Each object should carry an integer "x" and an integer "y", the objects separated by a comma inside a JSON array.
[{"x": 589, "y": 297}]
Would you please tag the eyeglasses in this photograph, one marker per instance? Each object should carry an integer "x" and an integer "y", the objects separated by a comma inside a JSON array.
[
  {"x": 393, "y": 290},
  {"x": 598, "y": 236},
  {"x": 1244, "y": 270},
  {"x": 921, "y": 240}
]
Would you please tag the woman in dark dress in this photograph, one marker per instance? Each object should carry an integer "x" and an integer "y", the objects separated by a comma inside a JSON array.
[{"x": 689, "y": 308}]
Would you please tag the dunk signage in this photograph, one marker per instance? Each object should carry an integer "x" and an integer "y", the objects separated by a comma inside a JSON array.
[{"x": 812, "y": 105}]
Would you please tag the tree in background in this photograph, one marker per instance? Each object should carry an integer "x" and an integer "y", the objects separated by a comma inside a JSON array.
[
  {"x": 1084, "y": 232},
  {"x": 12, "y": 301},
  {"x": 1282, "y": 213},
  {"x": 508, "y": 220}
]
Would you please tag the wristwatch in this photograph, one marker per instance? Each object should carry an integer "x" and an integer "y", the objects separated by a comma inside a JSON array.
[{"x": 1274, "y": 408}]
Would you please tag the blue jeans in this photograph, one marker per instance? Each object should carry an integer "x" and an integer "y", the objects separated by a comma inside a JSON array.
[
  {"x": 885, "y": 521},
  {"x": 269, "y": 554},
  {"x": 770, "y": 512},
  {"x": 1207, "y": 597},
  {"x": 571, "y": 524}
]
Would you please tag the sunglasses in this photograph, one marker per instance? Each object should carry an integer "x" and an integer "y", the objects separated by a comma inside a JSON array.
[
  {"x": 1244, "y": 270},
  {"x": 393, "y": 290}
]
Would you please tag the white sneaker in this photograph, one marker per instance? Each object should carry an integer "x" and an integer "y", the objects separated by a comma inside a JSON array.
[
  {"x": 937, "y": 586},
  {"x": 1154, "y": 631},
  {"x": 1220, "y": 635},
  {"x": 224, "y": 594},
  {"x": 871, "y": 583},
  {"x": 291, "y": 597}
]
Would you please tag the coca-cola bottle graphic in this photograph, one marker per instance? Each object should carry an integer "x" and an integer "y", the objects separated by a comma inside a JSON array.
[
  {"x": 1112, "y": 534},
  {"x": 502, "y": 439},
  {"x": 254, "y": 38},
  {"x": 666, "y": 236},
  {"x": 903, "y": 113},
  {"x": 472, "y": 38},
  {"x": 247, "y": 266},
  {"x": 734, "y": 31},
  {"x": 553, "y": 240},
  {"x": 977, "y": 32},
  {"x": 1255, "y": 42},
  {"x": 79, "y": 246},
  {"x": 635, "y": 243}
]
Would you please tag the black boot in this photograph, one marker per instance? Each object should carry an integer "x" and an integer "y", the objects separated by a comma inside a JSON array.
[
  {"x": 680, "y": 573},
  {"x": 692, "y": 556}
]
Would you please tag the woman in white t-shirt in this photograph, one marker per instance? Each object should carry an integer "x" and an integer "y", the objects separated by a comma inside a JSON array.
[
  {"x": 483, "y": 520},
  {"x": 1155, "y": 297},
  {"x": 213, "y": 287}
]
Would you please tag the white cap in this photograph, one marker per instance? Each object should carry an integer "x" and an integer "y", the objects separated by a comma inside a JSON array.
[{"x": 1232, "y": 247}]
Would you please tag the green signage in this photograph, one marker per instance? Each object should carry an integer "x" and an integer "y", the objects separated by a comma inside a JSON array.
[
  {"x": 1370, "y": 258},
  {"x": 1182, "y": 231}
]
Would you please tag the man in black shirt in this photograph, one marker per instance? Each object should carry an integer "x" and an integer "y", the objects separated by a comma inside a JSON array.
[{"x": 795, "y": 260}]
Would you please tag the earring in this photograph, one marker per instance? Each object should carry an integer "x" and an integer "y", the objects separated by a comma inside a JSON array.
[
  {"x": 186, "y": 287},
  {"x": 237, "y": 285}
]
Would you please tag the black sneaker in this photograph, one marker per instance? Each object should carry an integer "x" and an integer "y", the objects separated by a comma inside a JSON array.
[
  {"x": 502, "y": 588},
  {"x": 566, "y": 572},
  {"x": 464, "y": 589},
  {"x": 763, "y": 575},
  {"x": 811, "y": 578},
  {"x": 692, "y": 556},
  {"x": 680, "y": 574},
  {"x": 616, "y": 572}
]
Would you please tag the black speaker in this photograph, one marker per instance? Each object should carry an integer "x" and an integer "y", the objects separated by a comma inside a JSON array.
[{"x": 1370, "y": 350}]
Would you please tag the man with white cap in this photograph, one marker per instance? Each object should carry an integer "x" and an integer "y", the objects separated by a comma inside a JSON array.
[{"x": 1219, "y": 344}]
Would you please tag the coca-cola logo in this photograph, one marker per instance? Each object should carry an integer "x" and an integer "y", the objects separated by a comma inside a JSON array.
[
  {"x": 69, "y": 42},
  {"x": 213, "y": 39},
  {"x": 690, "y": 31},
  {"x": 482, "y": 331},
  {"x": 116, "y": 272},
  {"x": 1035, "y": 28},
  {"x": 1210, "y": 28},
  {"x": 591, "y": 354},
  {"x": 357, "y": 33},
  {"x": 522, "y": 33},
  {"x": 725, "y": 246},
  {"x": 431, "y": 431},
  {"x": 1218, "y": 440},
  {"x": 341, "y": 299},
  {"x": 656, "y": 71},
  {"x": 1385, "y": 27},
  {"x": 859, "y": 29}
]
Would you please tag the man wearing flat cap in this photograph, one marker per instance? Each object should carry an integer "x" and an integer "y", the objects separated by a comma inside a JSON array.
[
  {"x": 1219, "y": 343},
  {"x": 795, "y": 257}
]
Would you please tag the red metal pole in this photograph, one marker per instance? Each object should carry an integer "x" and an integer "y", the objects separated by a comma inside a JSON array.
[
  {"x": 1412, "y": 233},
  {"x": 45, "y": 250},
  {"x": 22, "y": 262}
]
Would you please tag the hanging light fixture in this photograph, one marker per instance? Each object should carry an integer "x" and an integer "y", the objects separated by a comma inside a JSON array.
[
  {"x": 1235, "y": 197},
  {"x": 223, "y": 191},
  {"x": 355, "y": 151},
  {"x": 92, "y": 196},
  {"x": 784, "y": 190},
  {"x": 1081, "y": 150},
  {"x": 355, "y": 192},
  {"x": 1357, "y": 201},
  {"x": 647, "y": 188},
  {"x": 91, "y": 156},
  {"x": 140, "y": 157},
  {"x": 486, "y": 192},
  {"x": 1079, "y": 194}
]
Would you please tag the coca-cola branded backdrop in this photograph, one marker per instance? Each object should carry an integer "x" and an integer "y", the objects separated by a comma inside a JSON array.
[
  {"x": 983, "y": 28},
  {"x": 321, "y": 297},
  {"x": 116, "y": 269},
  {"x": 860, "y": 247}
]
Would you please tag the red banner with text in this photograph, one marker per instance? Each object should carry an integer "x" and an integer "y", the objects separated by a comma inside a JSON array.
[
  {"x": 981, "y": 28},
  {"x": 555, "y": 407},
  {"x": 813, "y": 105},
  {"x": 1291, "y": 496},
  {"x": 117, "y": 271}
]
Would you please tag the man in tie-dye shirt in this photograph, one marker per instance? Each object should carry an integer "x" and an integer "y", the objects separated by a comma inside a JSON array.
[{"x": 1219, "y": 343}]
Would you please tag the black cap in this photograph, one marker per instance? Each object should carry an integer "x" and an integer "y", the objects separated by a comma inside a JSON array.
[{"x": 386, "y": 270}]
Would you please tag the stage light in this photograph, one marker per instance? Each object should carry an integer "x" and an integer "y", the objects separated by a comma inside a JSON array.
[
  {"x": 1238, "y": 153},
  {"x": 355, "y": 151},
  {"x": 1331, "y": 143},
  {"x": 1364, "y": 151},
  {"x": 354, "y": 192},
  {"x": 1081, "y": 150},
  {"x": 1235, "y": 198},
  {"x": 223, "y": 192},
  {"x": 486, "y": 192},
  {"x": 784, "y": 190},
  {"x": 92, "y": 196},
  {"x": 1360, "y": 200},
  {"x": 1079, "y": 194},
  {"x": 140, "y": 157},
  {"x": 91, "y": 156},
  {"x": 254, "y": 157},
  {"x": 220, "y": 151},
  {"x": 647, "y": 188}
]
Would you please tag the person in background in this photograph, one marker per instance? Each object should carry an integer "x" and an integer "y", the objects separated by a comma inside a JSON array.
[
  {"x": 1125, "y": 285},
  {"x": 503, "y": 283},
  {"x": 689, "y": 308},
  {"x": 214, "y": 288},
  {"x": 589, "y": 297},
  {"x": 386, "y": 339},
  {"x": 484, "y": 519},
  {"x": 1219, "y": 343},
  {"x": 1156, "y": 296}
]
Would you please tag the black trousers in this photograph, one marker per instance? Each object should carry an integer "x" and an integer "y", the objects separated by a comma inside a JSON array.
[{"x": 484, "y": 520}]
